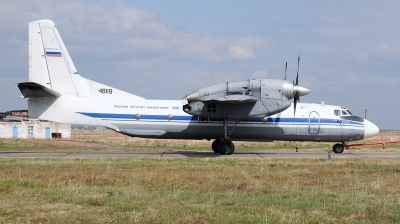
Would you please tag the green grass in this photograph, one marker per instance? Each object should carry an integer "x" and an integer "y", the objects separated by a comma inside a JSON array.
[{"x": 199, "y": 190}]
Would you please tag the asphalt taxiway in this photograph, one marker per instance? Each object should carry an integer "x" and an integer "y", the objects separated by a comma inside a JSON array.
[{"x": 187, "y": 154}]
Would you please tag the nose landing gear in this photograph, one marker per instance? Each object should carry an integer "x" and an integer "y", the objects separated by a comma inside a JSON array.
[{"x": 339, "y": 148}]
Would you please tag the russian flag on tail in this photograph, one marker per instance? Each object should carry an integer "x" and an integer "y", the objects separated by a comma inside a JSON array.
[{"x": 53, "y": 54}]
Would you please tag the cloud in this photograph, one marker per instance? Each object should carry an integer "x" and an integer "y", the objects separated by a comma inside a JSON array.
[
  {"x": 341, "y": 32},
  {"x": 199, "y": 46},
  {"x": 129, "y": 30},
  {"x": 110, "y": 38},
  {"x": 260, "y": 74},
  {"x": 389, "y": 47},
  {"x": 240, "y": 52}
]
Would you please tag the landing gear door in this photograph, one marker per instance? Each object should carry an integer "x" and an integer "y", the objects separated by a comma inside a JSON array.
[{"x": 313, "y": 123}]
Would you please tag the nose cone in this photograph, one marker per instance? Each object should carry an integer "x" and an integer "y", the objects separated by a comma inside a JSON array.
[
  {"x": 302, "y": 90},
  {"x": 370, "y": 129}
]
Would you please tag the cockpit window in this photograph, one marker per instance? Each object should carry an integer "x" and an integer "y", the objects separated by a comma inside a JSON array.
[
  {"x": 346, "y": 114},
  {"x": 337, "y": 112}
]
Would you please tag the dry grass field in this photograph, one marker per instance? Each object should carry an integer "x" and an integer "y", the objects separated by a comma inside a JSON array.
[
  {"x": 199, "y": 190},
  {"x": 194, "y": 190}
]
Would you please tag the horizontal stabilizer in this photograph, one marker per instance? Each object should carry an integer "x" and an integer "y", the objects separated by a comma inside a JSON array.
[
  {"x": 33, "y": 89},
  {"x": 235, "y": 99}
]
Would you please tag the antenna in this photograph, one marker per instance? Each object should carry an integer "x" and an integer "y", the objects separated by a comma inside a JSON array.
[{"x": 365, "y": 115}]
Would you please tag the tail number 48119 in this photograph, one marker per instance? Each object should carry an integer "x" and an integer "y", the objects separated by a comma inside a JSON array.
[{"x": 105, "y": 91}]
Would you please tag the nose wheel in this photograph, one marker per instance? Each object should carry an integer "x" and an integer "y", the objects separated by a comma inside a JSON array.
[{"x": 339, "y": 148}]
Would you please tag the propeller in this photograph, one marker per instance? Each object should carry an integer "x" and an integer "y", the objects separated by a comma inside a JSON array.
[{"x": 294, "y": 90}]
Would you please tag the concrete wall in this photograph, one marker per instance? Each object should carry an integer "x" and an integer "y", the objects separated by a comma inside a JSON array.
[{"x": 39, "y": 129}]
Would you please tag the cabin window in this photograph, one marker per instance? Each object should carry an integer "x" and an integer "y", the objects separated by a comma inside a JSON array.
[
  {"x": 212, "y": 108},
  {"x": 337, "y": 112},
  {"x": 348, "y": 111},
  {"x": 344, "y": 112}
]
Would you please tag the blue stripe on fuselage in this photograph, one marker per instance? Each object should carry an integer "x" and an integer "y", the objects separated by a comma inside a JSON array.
[
  {"x": 127, "y": 117},
  {"x": 132, "y": 116}
]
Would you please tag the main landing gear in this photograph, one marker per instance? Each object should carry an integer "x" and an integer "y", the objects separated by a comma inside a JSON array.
[
  {"x": 223, "y": 146},
  {"x": 339, "y": 148}
]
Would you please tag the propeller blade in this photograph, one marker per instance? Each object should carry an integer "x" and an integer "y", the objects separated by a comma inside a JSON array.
[
  {"x": 296, "y": 99},
  {"x": 285, "y": 70},
  {"x": 297, "y": 96},
  {"x": 298, "y": 67}
]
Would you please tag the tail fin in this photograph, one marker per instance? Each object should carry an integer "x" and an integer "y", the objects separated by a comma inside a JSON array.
[
  {"x": 51, "y": 67},
  {"x": 55, "y": 90},
  {"x": 49, "y": 62}
]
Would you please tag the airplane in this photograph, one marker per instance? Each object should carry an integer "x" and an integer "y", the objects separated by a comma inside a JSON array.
[{"x": 250, "y": 110}]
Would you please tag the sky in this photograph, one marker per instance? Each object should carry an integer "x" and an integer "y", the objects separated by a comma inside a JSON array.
[{"x": 350, "y": 50}]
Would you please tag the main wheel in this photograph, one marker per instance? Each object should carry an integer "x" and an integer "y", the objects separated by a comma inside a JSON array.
[
  {"x": 215, "y": 144},
  {"x": 226, "y": 147},
  {"x": 338, "y": 148}
]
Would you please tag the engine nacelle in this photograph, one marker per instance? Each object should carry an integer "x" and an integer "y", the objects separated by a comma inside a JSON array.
[{"x": 256, "y": 98}]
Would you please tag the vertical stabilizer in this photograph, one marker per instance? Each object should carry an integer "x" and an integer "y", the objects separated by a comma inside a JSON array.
[
  {"x": 55, "y": 91},
  {"x": 49, "y": 62}
]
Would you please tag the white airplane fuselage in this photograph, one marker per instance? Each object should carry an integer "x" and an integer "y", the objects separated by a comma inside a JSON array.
[{"x": 166, "y": 119}]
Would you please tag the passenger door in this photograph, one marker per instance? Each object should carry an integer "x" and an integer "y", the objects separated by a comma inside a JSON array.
[{"x": 313, "y": 123}]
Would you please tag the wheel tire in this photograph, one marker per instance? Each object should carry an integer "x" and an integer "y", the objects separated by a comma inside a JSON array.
[
  {"x": 215, "y": 144},
  {"x": 226, "y": 147},
  {"x": 338, "y": 148}
]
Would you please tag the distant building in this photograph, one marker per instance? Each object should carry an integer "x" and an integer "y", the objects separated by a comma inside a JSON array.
[
  {"x": 17, "y": 124},
  {"x": 20, "y": 113}
]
